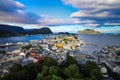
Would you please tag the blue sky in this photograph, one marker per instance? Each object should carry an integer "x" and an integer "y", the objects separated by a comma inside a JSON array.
[
  {"x": 62, "y": 15},
  {"x": 55, "y": 8}
]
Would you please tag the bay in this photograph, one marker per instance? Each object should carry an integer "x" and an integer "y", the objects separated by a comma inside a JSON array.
[{"x": 100, "y": 40}]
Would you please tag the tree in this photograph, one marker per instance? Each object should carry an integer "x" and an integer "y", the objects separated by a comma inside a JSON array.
[
  {"x": 89, "y": 66},
  {"x": 44, "y": 75},
  {"x": 72, "y": 71},
  {"x": 69, "y": 61},
  {"x": 54, "y": 70},
  {"x": 74, "y": 79},
  {"x": 45, "y": 70},
  {"x": 54, "y": 77},
  {"x": 95, "y": 73},
  {"x": 21, "y": 75},
  {"x": 93, "y": 78},
  {"x": 27, "y": 47},
  {"x": 16, "y": 68},
  {"x": 40, "y": 76},
  {"x": 34, "y": 68},
  {"x": 48, "y": 61}
]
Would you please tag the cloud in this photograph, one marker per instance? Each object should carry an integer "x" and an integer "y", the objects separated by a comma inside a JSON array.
[
  {"x": 112, "y": 24},
  {"x": 66, "y": 28},
  {"x": 14, "y": 11},
  {"x": 10, "y": 5},
  {"x": 51, "y": 21},
  {"x": 115, "y": 29},
  {"x": 100, "y": 11}
]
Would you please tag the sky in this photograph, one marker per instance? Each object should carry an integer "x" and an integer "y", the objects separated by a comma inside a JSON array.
[{"x": 62, "y": 15}]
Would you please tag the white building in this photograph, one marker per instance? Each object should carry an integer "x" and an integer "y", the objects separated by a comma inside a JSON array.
[
  {"x": 22, "y": 54},
  {"x": 104, "y": 71},
  {"x": 22, "y": 44},
  {"x": 116, "y": 69},
  {"x": 34, "y": 42}
]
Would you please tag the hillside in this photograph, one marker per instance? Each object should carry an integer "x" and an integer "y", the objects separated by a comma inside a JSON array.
[
  {"x": 8, "y": 30},
  {"x": 44, "y": 30},
  {"x": 11, "y": 29},
  {"x": 88, "y": 31}
]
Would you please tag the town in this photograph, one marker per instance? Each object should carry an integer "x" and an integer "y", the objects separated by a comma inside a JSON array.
[{"x": 58, "y": 47}]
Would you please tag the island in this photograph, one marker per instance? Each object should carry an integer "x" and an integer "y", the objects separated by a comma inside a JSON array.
[{"x": 88, "y": 31}]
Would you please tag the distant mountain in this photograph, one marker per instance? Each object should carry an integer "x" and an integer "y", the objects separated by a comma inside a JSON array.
[
  {"x": 8, "y": 30},
  {"x": 88, "y": 31},
  {"x": 44, "y": 30},
  {"x": 63, "y": 33},
  {"x": 11, "y": 29}
]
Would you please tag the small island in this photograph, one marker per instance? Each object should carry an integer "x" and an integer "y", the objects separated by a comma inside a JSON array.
[{"x": 88, "y": 31}]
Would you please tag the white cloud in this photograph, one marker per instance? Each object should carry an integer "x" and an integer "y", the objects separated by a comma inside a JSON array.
[
  {"x": 109, "y": 30},
  {"x": 102, "y": 11},
  {"x": 86, "y": 14},
  {"x": 66, "y": 28},
  {"x": 112, "y": 24},
  {"x": 12, "y": 11},
  {"x": 91, "y": 25},
  {"x": 10, "y": 5},
  {"x": 51, "y": 21},
  {"x": 96, "y": 4}
]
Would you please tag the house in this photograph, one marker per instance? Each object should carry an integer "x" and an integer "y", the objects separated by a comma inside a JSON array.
[
  {"x": 34, "y": 42},
  {"x": 104, "y": 71},
  {"x": 79, "y": 56},
  {"x": 22, "y": 54}
]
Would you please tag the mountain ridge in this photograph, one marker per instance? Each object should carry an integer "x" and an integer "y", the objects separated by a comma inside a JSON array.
[{"x": 9, "y": 30}]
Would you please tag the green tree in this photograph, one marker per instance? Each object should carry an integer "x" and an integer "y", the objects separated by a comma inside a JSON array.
[
  {"x": 54, "y": 77},
  {"x": 27, "y": 47},
  {"x": 89, "y": 66},
  {"x": 54, "y": 70},
  {"x": 21, "y": 75},
  {"x": 45, "y": 70},
  {"x": 34, "y": 68},
  {"x": 75, "y": 79},
  {"x": 48, "y": 61},
  {"x": 88, "y": 79},
  {"x": 69, "y": 61},
  {"x": 93, "y": 78},
  {"x": 40, "y": 76},
  {"x": 16, "y": 68},
  {"x": 44, "y": 75},
  {"x": 72, "y": 71},
  {"x": 95, "y": 73}
]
